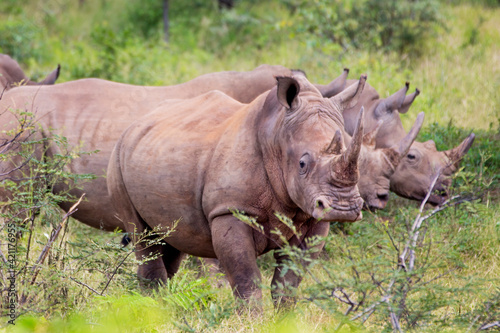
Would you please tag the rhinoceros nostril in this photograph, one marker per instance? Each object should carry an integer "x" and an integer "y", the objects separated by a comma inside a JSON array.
[
  {"x": 320, "y": 204},
  {"x": 383, "y": 196},
  {"x": 440, "y": 191}
]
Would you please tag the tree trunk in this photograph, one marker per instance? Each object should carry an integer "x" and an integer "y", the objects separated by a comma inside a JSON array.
[
  {"x": 226, "y": 4},
  {"x": 166, "y": 22}
]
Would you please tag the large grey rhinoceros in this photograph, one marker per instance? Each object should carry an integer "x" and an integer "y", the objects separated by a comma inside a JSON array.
[
  {"x": 201, "y": 158},
  {"x": 11, "y": 74},
  {"x": 413, "y": 177}
]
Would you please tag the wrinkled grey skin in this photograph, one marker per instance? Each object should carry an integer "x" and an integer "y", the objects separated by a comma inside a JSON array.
[
  {"x": 11, "y": 74},
  {"x": 413, "y": 177},
  {"x": 197, "y": 159}
]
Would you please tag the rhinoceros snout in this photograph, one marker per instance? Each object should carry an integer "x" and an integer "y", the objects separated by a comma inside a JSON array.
[
  {"x": 326, "y": 210},
  {"x": 378, "y": 202},
  {"x": 439, "y": 194}
]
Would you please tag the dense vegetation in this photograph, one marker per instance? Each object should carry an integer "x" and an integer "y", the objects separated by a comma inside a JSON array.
[{"x": 450, "y": 50}]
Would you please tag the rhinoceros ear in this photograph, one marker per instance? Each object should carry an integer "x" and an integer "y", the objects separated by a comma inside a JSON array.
[
  {"x": 348, "y": 98},
  {"x": 408, "y": 101},
  {"x": 52, "y": 77},
  {"x": 334, "y": 87},
  {"x": 288, "y": 90},
  {"x": 430, "y": 144},
  {"x": 392, "y": 103}
]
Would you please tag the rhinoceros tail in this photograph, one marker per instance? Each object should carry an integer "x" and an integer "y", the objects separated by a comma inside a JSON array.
[
  {"x": 120, "y": 198},
  {"x": 126, "y": 240}
]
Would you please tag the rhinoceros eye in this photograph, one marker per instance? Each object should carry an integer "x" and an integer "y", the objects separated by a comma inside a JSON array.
[
  {"x": 304, "y": 164},
  {"x": 412, "y": 157}
]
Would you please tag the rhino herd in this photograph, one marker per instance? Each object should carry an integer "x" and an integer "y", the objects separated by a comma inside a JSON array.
[{"x": 261, "y": 142}]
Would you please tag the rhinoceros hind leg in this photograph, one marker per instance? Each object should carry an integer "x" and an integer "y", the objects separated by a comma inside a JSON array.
[
  {"x": 172, "y": 259},
  {"x": 148, "y": 253},
  {"x": 151, "y": 270}
]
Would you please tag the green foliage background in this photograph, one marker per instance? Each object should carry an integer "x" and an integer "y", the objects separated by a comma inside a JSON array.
[{"x": 450, "y": 50}]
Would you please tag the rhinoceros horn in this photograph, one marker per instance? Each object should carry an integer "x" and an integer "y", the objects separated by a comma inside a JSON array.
[
  {"x": 335, "y": 146},
  {"x": 393, "y": 102},
  {"x": 349, "y": 161},
  {"x": 457, "y": 153},
  {"x": 406, "y": 142},
  {"x": 396, "y": 153},
  {"x": 408, "y": 101},
  {"x": 334, "y": 87},
  {"x": 369, "y": 138},
  {"x": 349, "y": 97}
]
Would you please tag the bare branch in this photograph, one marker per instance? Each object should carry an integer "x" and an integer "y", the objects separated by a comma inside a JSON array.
[
  {"x": 85, "y": 285},
  {"x": 115, "y": 271},
  {"x": 488, "y": 326}
]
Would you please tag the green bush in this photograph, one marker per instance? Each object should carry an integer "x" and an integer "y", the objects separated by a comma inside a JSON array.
[
  {"x": 144, "y": 17},
  {"x": 20, "y": 38},
  {"x": 393, "y": 25}
]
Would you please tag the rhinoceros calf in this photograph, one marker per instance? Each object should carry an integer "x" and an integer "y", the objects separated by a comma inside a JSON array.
[
  {"x": 11, "y": 74},
  {"x": 201, "y": 158},
  {"x": 413, "y": 177}
]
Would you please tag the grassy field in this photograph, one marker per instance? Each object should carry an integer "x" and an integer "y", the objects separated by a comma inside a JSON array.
[{"x": 89, "y": 284}]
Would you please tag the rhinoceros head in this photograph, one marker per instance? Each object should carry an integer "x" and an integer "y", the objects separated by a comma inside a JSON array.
[
  {"x": 378, "y": 165},
  {"x": 320, "y": 173},
  {"x": 415, "y": 173}
]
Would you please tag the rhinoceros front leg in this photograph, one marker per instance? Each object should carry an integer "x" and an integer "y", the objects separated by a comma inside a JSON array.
[
  {"x": 283, "y": 283},
  {"x": 234, "y": 246}
]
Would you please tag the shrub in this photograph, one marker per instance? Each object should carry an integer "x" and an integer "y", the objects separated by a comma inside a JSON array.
[
  {"x": 374, "y": 24},
  {"x": 19, "y": 38},
  {"x": 38, "y": 256}
]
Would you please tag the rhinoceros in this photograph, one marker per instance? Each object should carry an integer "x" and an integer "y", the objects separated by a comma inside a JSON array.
[
  {"x": 413, "y": 177},
  {"x": 200, "y": 159},
  {"x": 11, "y": 74},
  {"x": 377, "y": 165},
  {"x": 95, "y": 112},
  {"x": 246, "y": 86}
]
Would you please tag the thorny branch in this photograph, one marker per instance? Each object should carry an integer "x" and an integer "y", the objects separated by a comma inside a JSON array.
[{"x": 48, "y": 246}]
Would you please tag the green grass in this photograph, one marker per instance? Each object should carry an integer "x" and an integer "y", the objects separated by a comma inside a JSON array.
[{"x": 458, "y": 73}]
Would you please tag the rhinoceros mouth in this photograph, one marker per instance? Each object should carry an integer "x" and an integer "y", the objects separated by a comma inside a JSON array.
[
  {"x": 340, "y": 211},
  {"x": 374, "y": 205},
  {"x": 437, "y": 199}
]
